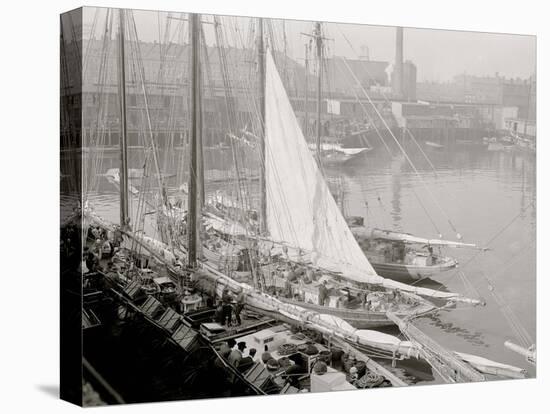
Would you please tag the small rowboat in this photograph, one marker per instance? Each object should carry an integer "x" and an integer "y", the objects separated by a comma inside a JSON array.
[{"x": 406, "y": 273}]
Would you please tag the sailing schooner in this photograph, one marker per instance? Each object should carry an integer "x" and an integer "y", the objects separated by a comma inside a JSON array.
[
  {"x": 303, "y": 263},
  {"x": 307, "y": 232}
]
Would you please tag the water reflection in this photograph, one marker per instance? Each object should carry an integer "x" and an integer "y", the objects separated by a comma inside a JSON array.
[
  {"x": 473, "y": 337},
  {"x": 479, "y": 190}
]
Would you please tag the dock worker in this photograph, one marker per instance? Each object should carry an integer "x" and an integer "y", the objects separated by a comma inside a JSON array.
[
  {"x": 226, "y": 307},
  {"x": 225, "y": 351},
  {"x": 227, "y": 347},
  {"x": 97, "y": 248},
  {"x": 218, "y": 313},
  {"x": 107, "y": 249},
  {"x": 92, "y": 262},
  {"x": 95, "y": 232},
  {"x": 288, "y": 289},
  {"x": 266, "y": 356},
  {"x": 308, "y": 278},
  {"x": 236, "y": 355},
  {"x": 291, "y": 275},
  {"x": 323, "y": 293},
  {"x": 252, "y": 354},
  {"x": 430, "y": 259},
  {"x": 239, "y": 305},
  {"x": 247, "y": 361}
]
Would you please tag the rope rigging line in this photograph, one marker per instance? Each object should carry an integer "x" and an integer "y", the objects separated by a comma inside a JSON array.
[
  {"x": 387, "y": 100},
  {"x": 509, "y": 314},
  {"x": 255, "y": 110},
  {"x": 94, "y": 161},
  {"x": 430, "y": 193},
  {"x": 438, "y": 205},
  {"x": 138, "y": 71},
  {"x": 383, "y": 141},
  {"x": 238, "y": 156},
  {"x": 70, "y": 130},
  {"x": 497, "y": 234}
]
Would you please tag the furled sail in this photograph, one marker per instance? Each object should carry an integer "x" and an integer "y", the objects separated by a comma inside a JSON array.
[
  {"x": 301, "y": 212},
  {"x": 409, "y": 238}
]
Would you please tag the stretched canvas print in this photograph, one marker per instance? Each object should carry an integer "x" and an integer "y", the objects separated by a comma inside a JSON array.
[{"x": 256, "y": 206}]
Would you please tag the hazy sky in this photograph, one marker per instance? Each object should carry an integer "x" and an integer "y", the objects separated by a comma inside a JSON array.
[{"x": 438, "y": 54}]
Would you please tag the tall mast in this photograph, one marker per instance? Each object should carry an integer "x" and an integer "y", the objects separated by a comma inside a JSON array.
[
  {"x": 319, "y": 44},
  {"x": 261, "y": 84},
  {"x": 123, "y": 171},
  {"x": 306, "y": 101},
  {"x": 194, "y": 136},
  {"x": 200, "y": 152}
]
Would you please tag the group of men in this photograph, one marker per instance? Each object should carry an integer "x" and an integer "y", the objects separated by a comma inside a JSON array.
[
  {"x": 101, "y": 248},
  {"x": 233, "y": 352},
  {"x": 230, "y": 306}
]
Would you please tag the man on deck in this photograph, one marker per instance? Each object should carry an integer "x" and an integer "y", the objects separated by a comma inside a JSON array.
[
  {"x": 236, "y": 355},
  {"x": 92, "y": 262},
  {"x": 226, "y": 307},
  {"x": 227, "y": 347},
  {"x": 246, "y": 363},
  {"x": 323, "y": 293},
  {"x": 239, "y": 305}
]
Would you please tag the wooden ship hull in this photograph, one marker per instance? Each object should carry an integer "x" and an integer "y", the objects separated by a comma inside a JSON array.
[
  {"x": 418, "y": 266},
  {"x": 407, "y": 273},
  {"x": 358, "y": 318}
]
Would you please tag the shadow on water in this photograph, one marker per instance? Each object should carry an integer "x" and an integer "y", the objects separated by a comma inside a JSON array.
[
  {"x": 432, "y": 284},
  {"x": 474, "y": 338}
]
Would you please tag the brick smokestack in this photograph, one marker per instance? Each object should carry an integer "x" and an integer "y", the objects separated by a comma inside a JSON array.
[{"x": 397, "y": 78}]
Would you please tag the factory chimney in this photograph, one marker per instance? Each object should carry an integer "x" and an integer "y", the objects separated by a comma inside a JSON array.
[{"x": 397, "y": 78}]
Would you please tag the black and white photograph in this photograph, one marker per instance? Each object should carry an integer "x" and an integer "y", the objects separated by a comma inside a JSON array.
[
  {"x": 248, "y": 207},
  {"x": 260, "y": 206}
]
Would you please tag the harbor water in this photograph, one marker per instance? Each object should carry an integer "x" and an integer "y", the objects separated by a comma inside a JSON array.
[{"x": 486, "y": 197}]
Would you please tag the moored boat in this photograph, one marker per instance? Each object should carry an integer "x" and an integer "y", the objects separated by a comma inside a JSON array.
[
  {"x": 404, "y": 257},
  {"x": 294, "y": 232},
  {"x": 336, "y": 154}
]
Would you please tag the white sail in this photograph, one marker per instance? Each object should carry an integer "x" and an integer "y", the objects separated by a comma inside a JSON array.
[
  {"x": 300, "y": 208},
  {"x": 301, "y": 211}
]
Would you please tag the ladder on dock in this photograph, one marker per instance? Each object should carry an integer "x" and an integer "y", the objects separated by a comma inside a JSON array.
[{"x": 449, "y": 367}]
